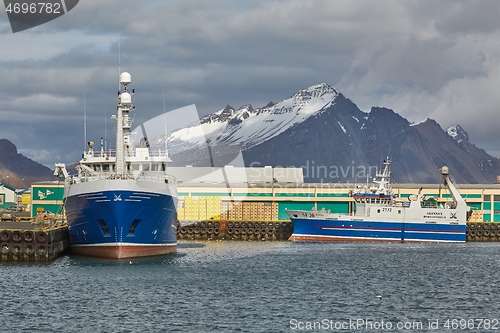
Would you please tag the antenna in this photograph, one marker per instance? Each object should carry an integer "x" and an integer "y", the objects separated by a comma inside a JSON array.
[
  {"x": 119, "y": 69},
  {"x": 105, "y": 138},
  {"x": 84, "y": 124},
  {"x": 165, "y": 123}
]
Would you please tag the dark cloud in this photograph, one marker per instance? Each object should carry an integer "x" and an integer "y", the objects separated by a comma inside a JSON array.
[{"x": 421, "y": 58}]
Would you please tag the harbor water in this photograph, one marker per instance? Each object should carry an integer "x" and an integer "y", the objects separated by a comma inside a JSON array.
[{"x": 243, "y": 286}]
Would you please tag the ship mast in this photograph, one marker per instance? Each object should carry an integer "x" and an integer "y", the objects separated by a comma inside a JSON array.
[{"x": 123, "y": 123}]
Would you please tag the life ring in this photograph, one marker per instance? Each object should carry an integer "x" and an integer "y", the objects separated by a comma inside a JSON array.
[
  {"x": 41, "y": 249},
  {"x": 29, "y": 249},
  {"x": 28, "y": 236},
  {"x": 17, "y": 236},
  {"x": 41, "y": 236},
  {"x": 5, "y": 236},
  {"x": 5, "y": 247},
  {"x": 16, "y": 249}
]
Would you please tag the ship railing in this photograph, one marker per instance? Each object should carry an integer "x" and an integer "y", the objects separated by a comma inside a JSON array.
[
  {"x": 112, "y": 153},
  {"x": 108, "y": 176}
]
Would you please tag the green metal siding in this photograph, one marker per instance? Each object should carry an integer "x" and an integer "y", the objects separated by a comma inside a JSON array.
[
  {"x": 47, "y": 193},
  {"x": 465, "y": 196},
  {"x": 334, "y": 195},
  {"x": 295, "y": 194},
  {"x": 487, "y": 217},
  {"x": 335, "y": 207},
  {"x": 475, "y": 205},
  {"x": 487, "y": 205},
  {"x": 57, "y": 209}
]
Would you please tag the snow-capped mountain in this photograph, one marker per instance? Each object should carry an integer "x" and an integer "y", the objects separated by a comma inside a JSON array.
[
  {"x": 327, "y": 135},
  {"x": 248, "y": 127},
  {"x": 457, "y": 133}
]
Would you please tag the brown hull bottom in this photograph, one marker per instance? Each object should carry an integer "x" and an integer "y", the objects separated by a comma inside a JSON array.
[
  {"x": 299, "y": 238},
  {"x": 123, "y": 251}
]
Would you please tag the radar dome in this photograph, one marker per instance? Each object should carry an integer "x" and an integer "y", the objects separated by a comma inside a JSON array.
[
  {"x": 126, "y": 98},
  {"x": 125, "y": 78}
]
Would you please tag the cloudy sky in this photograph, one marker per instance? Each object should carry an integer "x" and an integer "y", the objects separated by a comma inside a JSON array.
[{"x": 423, "y": 59}]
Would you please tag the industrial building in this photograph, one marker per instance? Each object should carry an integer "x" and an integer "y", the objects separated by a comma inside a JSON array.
[{"x": 263, "y": 194}]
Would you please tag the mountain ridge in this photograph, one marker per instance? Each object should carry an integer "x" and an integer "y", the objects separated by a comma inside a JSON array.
[
  {"x": 319, "y": 128},
  {"x": 18, "y": 171}
]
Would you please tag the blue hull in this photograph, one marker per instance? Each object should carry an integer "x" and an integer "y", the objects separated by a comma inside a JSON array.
[
  {"x": 106, "y": 221},
  {"x": 347, "y": 230}
]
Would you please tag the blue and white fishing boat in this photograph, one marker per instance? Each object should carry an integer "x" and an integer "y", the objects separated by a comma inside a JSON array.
[
  {"x": 122, "y": 203},
  {"x": 379, "y": 217}
]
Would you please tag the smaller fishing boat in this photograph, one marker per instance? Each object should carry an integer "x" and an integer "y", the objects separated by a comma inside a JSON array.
[{"x": 379, "y": 217}]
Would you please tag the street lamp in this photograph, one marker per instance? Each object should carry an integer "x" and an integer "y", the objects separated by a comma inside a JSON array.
[
  {"x": 3, "y": 178},
  {"x": 19, "y": 182}
]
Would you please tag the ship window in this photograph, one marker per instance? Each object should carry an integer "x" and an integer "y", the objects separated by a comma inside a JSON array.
[
  {"x": 105, "y": 167},
  {"x": 399, "y": 211},
  {"x": 135, "y": 166},
  {"x": 145, "y": 167},
  {"x": 163, "y": 168},
  {"x": 97, "y": 167},
  {"x": 487, "y": 197},
  {"x": 378, "y": 210},
  {"x": 131, "y": 231},
  {"x": 496, "y": 198},
  {"x": 104, "y": 228}
]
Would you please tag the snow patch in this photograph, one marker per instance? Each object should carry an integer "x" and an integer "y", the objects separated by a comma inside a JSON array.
[
  {"x": 343, "y": 128},
  {"x": 248, "y": 127}
]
